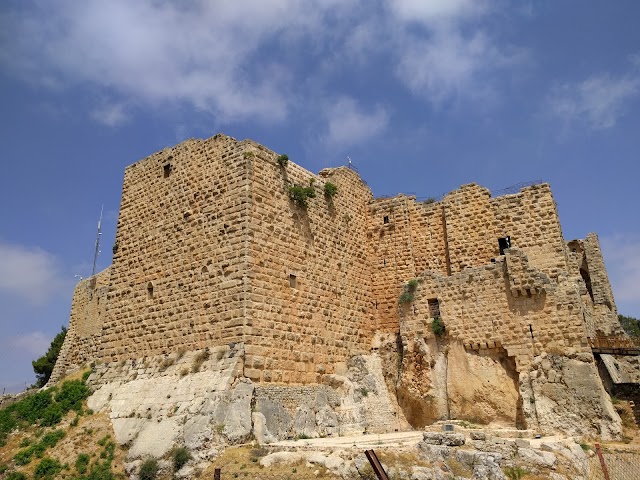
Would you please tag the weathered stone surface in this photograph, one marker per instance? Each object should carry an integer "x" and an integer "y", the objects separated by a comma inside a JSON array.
[{"x": 442, "y": 438}]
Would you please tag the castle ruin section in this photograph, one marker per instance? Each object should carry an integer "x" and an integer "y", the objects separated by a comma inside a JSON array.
[
  {"x": 84, "y": 335},
  {"x": 218, "y": 274}
]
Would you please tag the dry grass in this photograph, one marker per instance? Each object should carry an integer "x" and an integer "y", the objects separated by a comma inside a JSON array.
[{"x": 243, "y": 462}]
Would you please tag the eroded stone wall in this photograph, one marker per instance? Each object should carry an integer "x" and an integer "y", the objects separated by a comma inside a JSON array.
[
  {"x": 310, "y": 303},
  {"x": 179, "y": 275},
  {"x": 84, "y": 334}
]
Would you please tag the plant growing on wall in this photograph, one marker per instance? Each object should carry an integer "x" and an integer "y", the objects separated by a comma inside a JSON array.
[
  {"x": 437, "y": 327},
  {"x": 330, "y": 189},
  {"x": 408, "y": 294},
  {"x": 283, "y": 160},
  {"x": 300, "y": 195}
]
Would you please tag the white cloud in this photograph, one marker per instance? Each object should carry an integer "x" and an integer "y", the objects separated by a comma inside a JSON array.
[
  {"x": 622, "y": 258},
  {"x": 348, "y": 124},
  {"x": 30, "y": 273},
  {"x": 206, "y": 54},
  {"x": 33, "y": 343},
  {"x": 435, "y": 11},
  {"x": 599, "y": 101},
  {"x": 450, "y": 58},
  {"x": 111, "y": 115}
]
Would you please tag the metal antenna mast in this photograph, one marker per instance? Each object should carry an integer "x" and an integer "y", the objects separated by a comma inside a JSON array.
[{"x": 97, "y": 252}]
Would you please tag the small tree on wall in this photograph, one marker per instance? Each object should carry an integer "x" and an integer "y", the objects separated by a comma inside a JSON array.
[
  {"x": 43, "y": 366},
  {"x": 283, "y": 160},
  {"x": 330, "y": 189},
  {"x": 301, "y": 195},
  {"x": 437, "y": 327}
]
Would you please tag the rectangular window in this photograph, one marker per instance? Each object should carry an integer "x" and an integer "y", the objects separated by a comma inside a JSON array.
[
  {"x": 167, "y": 170},
  {"x": 504, "y": 243},
  {"x": 293, "y": 281},
  {"x": 434, "y": 307},
  {"x": 386, "y": 219}
]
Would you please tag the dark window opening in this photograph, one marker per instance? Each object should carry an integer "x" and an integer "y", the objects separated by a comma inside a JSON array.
[
  {"x": 167, "y": 170},
  {"x": 385, "y": 219},
  {"x": 587, "y": 281},
  {"x": 204, "y": 270},
  {"x": 504, "y": 243},
  {"x": 531, "y": 330},
  {"x": 434, "y": 307},
  {"x": 293, "y": 281},
  {"x": 150, "y": 290}
]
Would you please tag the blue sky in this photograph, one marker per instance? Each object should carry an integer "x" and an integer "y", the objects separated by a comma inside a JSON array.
[{"x": 423, "y": 95}]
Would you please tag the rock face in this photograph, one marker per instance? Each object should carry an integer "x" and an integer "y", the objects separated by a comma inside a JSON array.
[{"x": 203, "y": 401}]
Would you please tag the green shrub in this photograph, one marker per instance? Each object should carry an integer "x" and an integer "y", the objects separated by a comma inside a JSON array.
[
  {"x": 412, "y": 285},
  {"x": 429, "y": 201},
  {"x": 82, "y": 463},
  {"x": 283, "y": 160},
  {"x": 48, "y": 468},
  {"x": 149, "y": 469},
  {"x": 437, "y": 327},
  {"x": 72, "y": 394},
  {"x": 405, "y": 298},
  {"x": 23, "y": 457},
  {"x": 16, "y": 476},
  {"x": 301, "y": 195},
  {"x": 330, "y": 189},
  {"x": 180, "y": 457}
]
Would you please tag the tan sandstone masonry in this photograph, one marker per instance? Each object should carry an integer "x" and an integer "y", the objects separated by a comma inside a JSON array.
[
  {"x": 210, "y": 251},
  {"x": 310, "y": 281},
  {"x": 84, "y": 335},
  {"x": 408, "y": 238},
  {"x": 178, "y": 278}
]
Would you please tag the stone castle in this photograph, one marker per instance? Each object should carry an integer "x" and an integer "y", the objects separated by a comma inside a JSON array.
[{"x": 299, "y": 308}]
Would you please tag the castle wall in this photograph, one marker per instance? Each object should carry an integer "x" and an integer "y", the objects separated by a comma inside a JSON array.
[
  {"x": 310, "y": 301},
  {"x": 178, "y": 277},
  {"x": 495, "y": 305},
  {"x": 530, "y": 218},
  {"x": 84, "y": 334}
]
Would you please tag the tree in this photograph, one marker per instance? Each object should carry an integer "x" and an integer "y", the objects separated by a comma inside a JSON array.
[
  {"x": 630, "y": 325},
  {"x": 43, "y": 367}
]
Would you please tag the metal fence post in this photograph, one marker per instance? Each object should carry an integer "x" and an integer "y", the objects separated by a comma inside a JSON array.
[{"x": 602, "y": 464}]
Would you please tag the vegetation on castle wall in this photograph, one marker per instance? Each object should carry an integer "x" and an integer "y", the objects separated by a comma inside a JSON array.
[
  {"x": 630, "y": 325},
  {"x": 408, "y": 294},
  {"x": 330, "y": 189},
  {"x": 43, "y": 366},
  {"x": 283, "y": 160},
  {"x": 437, "y": 327},
  {"x": 300, "y": 195}
]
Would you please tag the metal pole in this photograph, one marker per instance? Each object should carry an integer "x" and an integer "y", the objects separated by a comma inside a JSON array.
[
  {"x": 376, "y": 465},
  {"x": 602, "y": 464},
  {"x": 95, "y": 255}
]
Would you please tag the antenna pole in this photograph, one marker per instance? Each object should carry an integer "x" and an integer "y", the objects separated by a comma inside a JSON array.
[{"x": 97, "y": 252}]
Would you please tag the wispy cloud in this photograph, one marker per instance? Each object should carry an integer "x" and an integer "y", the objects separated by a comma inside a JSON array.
[
  {"x": 349, "y": 124},
  {"x": 598, "y": 101},
  {"x": 30, "y": 273},
  {"x": 451, "y": 57},
  {"x": 622, "y": 258},
  {"x": 206, "y": 54},
  {"x": 33, "y": 343},
  {"x": 111, "y": 115}
]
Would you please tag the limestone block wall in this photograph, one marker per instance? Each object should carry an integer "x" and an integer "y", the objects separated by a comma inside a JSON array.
[
  {"x": 470, "y": 224},
  {"x": 178, "y": 277},
  {"x": 481, "y": 310},
  {"x": 84, "y": 334},
  {"x": 310, "y": 299},
  {"x": 530, "y": 218}
]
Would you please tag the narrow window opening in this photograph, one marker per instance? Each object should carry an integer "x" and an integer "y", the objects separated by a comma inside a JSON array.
[
  {"x": 385, "y": 219},
  {"x": 150, "y": 290},
  {"x": 167, "y": 170},
  {"x": 504, "y": 243},
  {"x": 531, "y": 330},
  {"x": 293, "y": 281},
  {"x": 434, "y": 307},
  {"x": 384, "y": 262}
]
